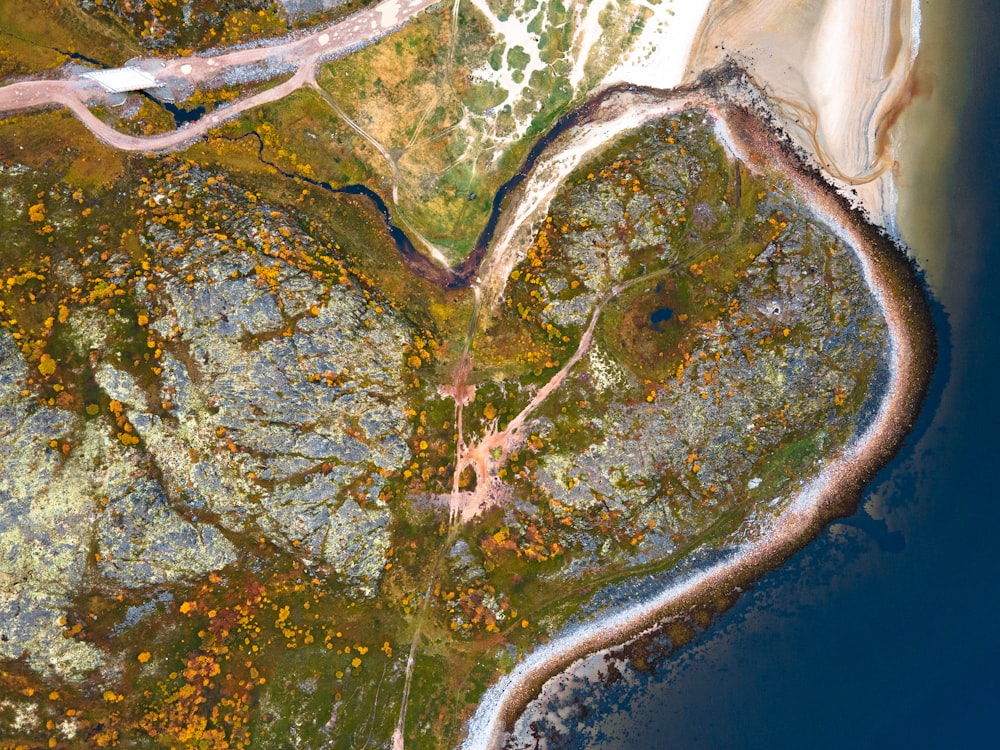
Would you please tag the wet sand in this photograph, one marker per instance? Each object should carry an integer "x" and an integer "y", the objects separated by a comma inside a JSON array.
[
  {"x": 660, "y": 57},
  {"x": 927, "y": 133},
  {"x": 838, "y": 72},
  {"x": 900, "y": 294},
  {"x": 937, "y": 215}
]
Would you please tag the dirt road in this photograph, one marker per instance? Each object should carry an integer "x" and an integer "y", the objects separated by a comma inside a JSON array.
[{"x": 302, "y": 54}]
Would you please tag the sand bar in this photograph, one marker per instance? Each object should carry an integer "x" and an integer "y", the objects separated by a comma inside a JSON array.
[{"x": 661, "y": 56}]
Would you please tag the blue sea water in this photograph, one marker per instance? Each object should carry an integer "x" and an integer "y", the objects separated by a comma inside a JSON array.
[{"x": 883, "y": 633}]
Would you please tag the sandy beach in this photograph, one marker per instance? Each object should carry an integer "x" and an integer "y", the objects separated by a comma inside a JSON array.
[{"x": 661, "y": 56}]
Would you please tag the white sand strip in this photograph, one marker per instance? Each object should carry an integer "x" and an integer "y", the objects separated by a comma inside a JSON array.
[
  {"x": 659, "y": 57},
  {"x": 520, "y": 221},
  {"x": 588, "y": 32}
]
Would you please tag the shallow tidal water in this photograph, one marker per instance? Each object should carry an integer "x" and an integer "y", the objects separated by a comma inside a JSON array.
[{"x": 882, "y": 632}]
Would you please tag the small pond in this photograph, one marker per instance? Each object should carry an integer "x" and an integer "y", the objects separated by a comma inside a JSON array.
[{"x": 659, "y": 317}]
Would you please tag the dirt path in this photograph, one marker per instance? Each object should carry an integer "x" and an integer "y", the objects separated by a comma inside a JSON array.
[
  {"x": 488, "y": 455},
  {"x": 301, "y": 54}
]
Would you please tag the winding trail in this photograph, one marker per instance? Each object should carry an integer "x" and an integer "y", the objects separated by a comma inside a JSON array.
[
  {"x": 489, "y": 454},
  {"x": 301, "y": 54},
  {"x": 338, "y": 110}
]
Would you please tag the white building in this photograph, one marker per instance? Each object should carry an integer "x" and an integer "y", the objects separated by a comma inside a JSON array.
[{"x": 120, "y": 80}]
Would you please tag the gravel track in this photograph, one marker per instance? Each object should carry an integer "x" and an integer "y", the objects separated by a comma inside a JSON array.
[{"x": 301, "y": 53}]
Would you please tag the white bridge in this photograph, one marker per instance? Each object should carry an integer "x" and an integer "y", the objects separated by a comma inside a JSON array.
[{"x": 121, "y": 80}]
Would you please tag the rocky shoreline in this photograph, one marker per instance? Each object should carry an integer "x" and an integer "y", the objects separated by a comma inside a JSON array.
[{"x": 743, "y": 123}]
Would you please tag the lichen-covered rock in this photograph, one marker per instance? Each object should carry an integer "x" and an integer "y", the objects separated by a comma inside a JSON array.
[
  {"x": 142, "y": 541},
  {"x": 57, "y": 505},
  {"x": 679, "y": 419},
  {"x": 119, "y": 385},
  {"x": 274, "y": 393},
  {"x": 45, "y": 518},
  {"x": 356, "y": 544},
  {"x": 696, "y": 445},
  {"x": 283, "y": 389}
]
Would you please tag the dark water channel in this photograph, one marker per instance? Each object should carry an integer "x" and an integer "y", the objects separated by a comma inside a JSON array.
[
  {"x": 462, "y": 275},
  {"x": 181, "y": 115}
]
